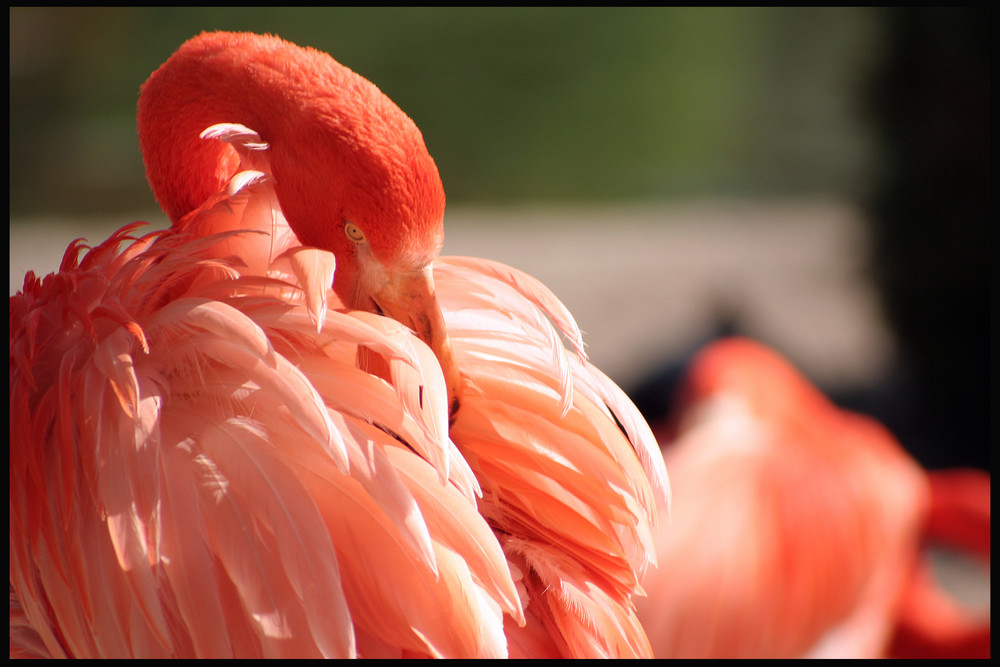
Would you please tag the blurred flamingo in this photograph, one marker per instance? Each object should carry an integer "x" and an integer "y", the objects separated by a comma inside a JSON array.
[
  {"x": 797, "y": 527},
  {"x": 214, "y": 454}
]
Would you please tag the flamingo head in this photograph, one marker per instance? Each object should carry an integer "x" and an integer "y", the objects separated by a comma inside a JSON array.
[
  {"x": 350, "y": 169},
  {"x": 766, "y": 384},
  {"x": 353, "y": 176}
]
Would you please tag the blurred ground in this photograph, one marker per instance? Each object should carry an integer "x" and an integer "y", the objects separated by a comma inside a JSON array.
[
  {"x": 644, "y": 282},
  {"x": 648, "y": 283}
]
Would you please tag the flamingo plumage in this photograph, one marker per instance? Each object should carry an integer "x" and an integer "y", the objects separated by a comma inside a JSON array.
[
  {"x": 798, "y": 528},
  {"x": 215, "y": 454}
]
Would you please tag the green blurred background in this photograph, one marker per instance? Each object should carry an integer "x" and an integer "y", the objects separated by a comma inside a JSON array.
[
  {"x": 538, "y": 104},
  {"x": 882, "y": 110}
]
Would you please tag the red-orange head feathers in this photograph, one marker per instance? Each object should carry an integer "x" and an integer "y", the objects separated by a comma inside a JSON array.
[
  {"x": 340, "y": 150},
  {"x": 350, "y": 169}
]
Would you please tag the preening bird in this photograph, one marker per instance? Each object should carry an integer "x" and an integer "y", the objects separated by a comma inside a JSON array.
[
  {"x": 797, "y": 527},
  {"x": 287, "y": 427}
]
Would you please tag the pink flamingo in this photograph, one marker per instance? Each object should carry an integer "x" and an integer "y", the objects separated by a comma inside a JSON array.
[
  {"x": 797, "y": 527},
  {"x": 214, "y": 454}
]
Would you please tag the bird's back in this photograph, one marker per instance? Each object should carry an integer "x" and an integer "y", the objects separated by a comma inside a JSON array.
[{"x": 794, "y": 523}]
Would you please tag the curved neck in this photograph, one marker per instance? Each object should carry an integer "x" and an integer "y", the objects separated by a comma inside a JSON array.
[
  {"x": 340, "y": 150},
  {"x": 207, "y": 81}
]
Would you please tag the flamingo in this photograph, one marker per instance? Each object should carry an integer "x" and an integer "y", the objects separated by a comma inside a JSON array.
[
  {"x": 287, "y": 427},
  {"x": 797, "y": 527}
]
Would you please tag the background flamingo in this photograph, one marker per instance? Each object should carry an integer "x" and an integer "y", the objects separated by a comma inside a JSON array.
[
  {"x": 798, "y": 527},
  {"x": 214, "y": 454}
]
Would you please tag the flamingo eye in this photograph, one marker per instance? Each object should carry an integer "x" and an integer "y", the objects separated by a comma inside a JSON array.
[{"x": 354, "y": 232}]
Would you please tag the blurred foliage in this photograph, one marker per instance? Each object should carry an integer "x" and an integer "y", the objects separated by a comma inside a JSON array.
[{"x": 542, "y": 104}]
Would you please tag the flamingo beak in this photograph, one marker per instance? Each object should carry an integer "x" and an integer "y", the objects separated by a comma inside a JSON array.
[{"x": 409, "y": 297}]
